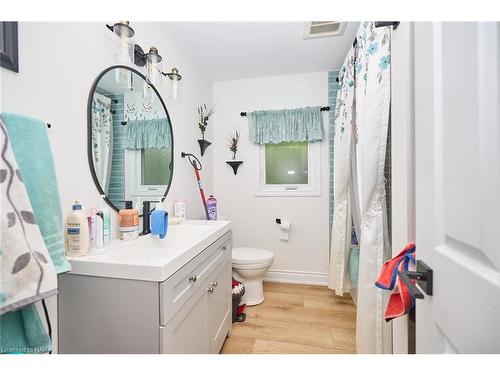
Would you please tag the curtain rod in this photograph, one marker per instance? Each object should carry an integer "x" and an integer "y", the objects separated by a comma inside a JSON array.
[
  {"x": 394, "y": 25},
  {"x": 327, "y": 108}
]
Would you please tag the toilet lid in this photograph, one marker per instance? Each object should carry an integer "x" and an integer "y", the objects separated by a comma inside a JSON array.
[{"x": 246, "y": 255}]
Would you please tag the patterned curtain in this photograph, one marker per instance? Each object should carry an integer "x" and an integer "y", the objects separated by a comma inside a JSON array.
[
  {"x": 141, "y": 134},
  {"x": 360, "y": 142},
  {"x": 345, "y": 118},
  {"x": 287, "y": 125},
  {"x": 101, "y": 137}
]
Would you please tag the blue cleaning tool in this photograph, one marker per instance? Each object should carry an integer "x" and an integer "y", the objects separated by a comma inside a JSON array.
[{"x": 159, "y": 222}]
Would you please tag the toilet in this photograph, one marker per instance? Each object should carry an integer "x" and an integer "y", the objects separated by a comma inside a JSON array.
[{"x": 249, "y": 266}]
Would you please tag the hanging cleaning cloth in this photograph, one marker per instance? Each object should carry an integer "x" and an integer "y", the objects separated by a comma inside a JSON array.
[
  {"x": 159, "y": 223},
  {"x": 389, "y": 273},
  {"x": 401, "y": 300}
]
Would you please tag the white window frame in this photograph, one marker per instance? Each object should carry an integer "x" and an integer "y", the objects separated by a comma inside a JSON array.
[
  {"x": 133, "y": 178},
  {"x": 311, "y": 189}
]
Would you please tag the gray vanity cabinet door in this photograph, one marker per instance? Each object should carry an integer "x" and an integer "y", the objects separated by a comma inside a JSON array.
[
  {"x": 187, "y": 331},
  {"x": 220, "y": 304},
  {"x": 99, "y": 315}
]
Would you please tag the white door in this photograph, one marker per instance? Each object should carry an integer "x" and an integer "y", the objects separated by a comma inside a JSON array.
[{"x": 457, "y": 135}]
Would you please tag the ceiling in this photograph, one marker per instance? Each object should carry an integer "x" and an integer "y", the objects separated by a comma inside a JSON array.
[{"x": 237, "y": 50}]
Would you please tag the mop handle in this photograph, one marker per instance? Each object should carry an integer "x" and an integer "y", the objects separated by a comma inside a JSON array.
[
  {"x": 202, "y": 192},
  {"x": 197, "y": 167}
]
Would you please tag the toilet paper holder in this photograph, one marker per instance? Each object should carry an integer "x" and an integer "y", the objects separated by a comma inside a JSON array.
[{"x": 284, "y": 225}]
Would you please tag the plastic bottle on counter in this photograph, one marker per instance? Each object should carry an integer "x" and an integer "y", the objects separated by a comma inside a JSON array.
[
  {"x": 180, "y": 209},
  {"x": 92, "y": 228},
  {"x": 106, "y": 224},
  {"x": 98, "y": 232},
  {"x": 212, "y": 208},
  {"x": 129, "y": 222},
  {"x": 76, "y": 232}
]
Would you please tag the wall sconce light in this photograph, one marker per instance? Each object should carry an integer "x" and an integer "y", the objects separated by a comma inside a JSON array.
[
  {"x": 175, "y": 82},
  {"x": 126, "y": 49},
  {"x": 153, "y": 66},
  {"x": 124, "y": 41}
]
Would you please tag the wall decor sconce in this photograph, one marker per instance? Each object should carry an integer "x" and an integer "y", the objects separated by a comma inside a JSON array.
[
  {"x": 233, "y": 147},
  {"x": 126, "y": 50},
  {"x": 234, "y": 164},
  {"x": 124, "y": 41}
]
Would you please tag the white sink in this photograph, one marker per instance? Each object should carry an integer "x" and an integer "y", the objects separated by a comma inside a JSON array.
[
  {"x": 151, "y": 258},
  {"x": 178, "y": 235}
]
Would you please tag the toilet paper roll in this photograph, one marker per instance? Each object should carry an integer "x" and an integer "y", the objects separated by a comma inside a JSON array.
[{"x": 285, "y": 225}]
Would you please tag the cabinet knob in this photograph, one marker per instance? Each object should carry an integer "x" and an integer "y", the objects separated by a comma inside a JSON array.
[
  {"x": 210, "y": 290},
  {"x": 192, "y": 278},
  {"x": 214, "y": 284}
]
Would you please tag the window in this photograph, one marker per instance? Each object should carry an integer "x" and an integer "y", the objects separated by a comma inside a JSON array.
[
  {"x": 286, "y": 163},
  {"x": 147, "y": 172},
  {"x": 155, "y": 166},
  {"x": 289, "y": 168}
]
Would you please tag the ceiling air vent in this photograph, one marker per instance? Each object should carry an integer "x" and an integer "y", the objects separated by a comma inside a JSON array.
[{"x": 323, "y": 29}]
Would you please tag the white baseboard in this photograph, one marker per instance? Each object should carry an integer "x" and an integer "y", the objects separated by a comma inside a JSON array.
[{"x": 296, "y": 277}]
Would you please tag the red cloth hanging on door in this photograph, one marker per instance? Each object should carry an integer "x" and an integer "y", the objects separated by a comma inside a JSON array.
[{"x": 401, "y": 300}]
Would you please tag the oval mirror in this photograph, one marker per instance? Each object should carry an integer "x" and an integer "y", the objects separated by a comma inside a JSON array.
[{"x": 130, "y": 141}]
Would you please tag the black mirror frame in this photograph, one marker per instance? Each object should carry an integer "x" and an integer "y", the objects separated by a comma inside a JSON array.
[
  {"x": 9, "y": 57},
  {"x": 89, "y": 132}
]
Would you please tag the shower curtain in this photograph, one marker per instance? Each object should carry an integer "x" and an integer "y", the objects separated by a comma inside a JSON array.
[
  {"x": 101, "y": 138},
  {"x": 370, "y": 111},
  {"x": 341, "y": 224}
]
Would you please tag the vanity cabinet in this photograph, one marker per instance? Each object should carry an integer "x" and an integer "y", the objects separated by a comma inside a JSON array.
[
  {"x": 189, "y": 312},
  {"x": 206, "y": 314}
]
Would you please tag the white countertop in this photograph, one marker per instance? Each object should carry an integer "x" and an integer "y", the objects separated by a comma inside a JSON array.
[{"x": 150, "y": 258}]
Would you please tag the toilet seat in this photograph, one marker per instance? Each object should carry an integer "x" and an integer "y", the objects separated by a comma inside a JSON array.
[{"x": 251, "y": 256}]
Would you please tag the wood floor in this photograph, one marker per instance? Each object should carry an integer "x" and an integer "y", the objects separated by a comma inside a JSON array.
[{"x": 293, "y": 319}]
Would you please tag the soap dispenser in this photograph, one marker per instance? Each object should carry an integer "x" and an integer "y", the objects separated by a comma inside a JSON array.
[{"x": 129, "y": 222}]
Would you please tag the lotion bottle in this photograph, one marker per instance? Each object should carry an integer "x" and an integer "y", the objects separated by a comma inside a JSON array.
[{"x": 76, "y": 232}]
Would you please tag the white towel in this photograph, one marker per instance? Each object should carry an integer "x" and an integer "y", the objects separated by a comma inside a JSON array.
[{"x": 27, "y": 271}]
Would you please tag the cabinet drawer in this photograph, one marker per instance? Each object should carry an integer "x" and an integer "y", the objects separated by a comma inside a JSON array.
[{"x": 178, "y": 288}]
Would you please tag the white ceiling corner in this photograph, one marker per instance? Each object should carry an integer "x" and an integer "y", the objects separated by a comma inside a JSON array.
[{"x": 238, "y": 50}]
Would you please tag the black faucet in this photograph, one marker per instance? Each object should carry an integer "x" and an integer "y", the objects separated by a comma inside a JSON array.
[{"x": 146, "y": 213}]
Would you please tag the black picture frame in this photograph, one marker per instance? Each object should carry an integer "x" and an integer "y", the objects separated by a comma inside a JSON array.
[
  {"x": 9, "y": 48},
  {"x": 89, "y": 133}
]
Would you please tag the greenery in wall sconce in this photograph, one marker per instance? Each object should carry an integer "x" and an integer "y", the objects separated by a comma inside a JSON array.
[
  {"x": 233, "y": 143},
  {"x": 233, "y": 147},
  {"x": 205, "y": 113}
]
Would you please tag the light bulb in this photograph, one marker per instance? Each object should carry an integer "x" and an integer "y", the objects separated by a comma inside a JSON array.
[{"x": 175, "y": 87}]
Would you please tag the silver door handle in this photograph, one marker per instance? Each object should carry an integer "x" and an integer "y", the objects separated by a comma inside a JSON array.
[
  {"x": 192, "y": 278},
  {"x": 210, "y": 290},
  {"x": 214, "y": 284}
]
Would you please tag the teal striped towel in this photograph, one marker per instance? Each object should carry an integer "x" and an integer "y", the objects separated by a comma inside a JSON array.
[
  {"x": 30, "y": 143},
  {"x": 22, "y": 331}
]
